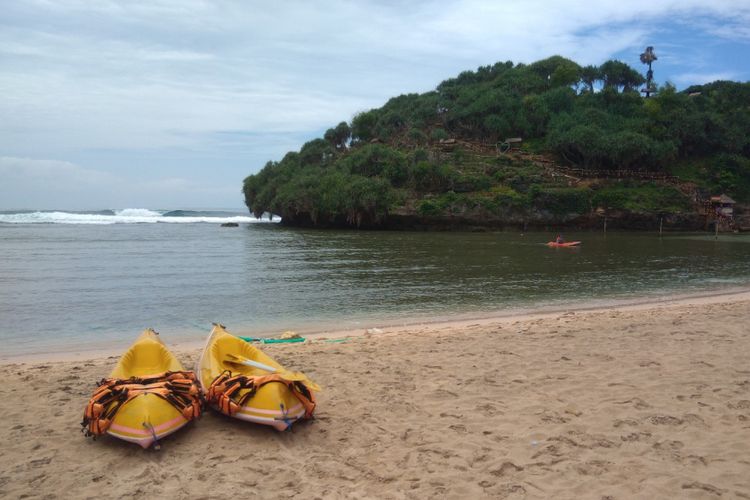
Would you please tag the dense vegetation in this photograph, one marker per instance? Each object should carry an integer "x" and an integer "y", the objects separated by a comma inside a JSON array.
[{"x": 435, "y": 154}]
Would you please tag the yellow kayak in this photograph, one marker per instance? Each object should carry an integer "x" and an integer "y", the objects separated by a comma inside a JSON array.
[
  {"x": 241, "y": 381},
  {"x": 147, "y": 396}
]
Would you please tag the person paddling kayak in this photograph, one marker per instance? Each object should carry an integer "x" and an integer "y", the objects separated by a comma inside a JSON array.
[{"x": 559, "y": 241}]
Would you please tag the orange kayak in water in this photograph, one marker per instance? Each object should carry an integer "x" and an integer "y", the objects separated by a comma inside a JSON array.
[{"x": 566, "y": 244}]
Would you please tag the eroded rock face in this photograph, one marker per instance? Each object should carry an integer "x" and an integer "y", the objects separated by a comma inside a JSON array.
[{"x": 409, "y": 221}]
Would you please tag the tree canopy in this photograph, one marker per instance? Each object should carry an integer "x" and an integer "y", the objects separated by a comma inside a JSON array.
[{"x": 592, "y": 117}]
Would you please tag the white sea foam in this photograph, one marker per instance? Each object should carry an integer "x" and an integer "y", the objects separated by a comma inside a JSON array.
[
  {"x": 137, "y": 212},
  {"x": 125, "y": 216}
]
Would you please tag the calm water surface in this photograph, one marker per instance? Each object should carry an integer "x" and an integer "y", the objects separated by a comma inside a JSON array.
[{"x": 66, "y": 286}]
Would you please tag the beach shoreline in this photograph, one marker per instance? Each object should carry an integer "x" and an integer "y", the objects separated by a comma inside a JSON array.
[
  {"x": 403, "y": 325},
  {"x": 637, "y": 401}
]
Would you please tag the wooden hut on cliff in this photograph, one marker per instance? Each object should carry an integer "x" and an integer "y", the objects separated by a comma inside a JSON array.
[
  {"x": 721, "y": 205},
  {"x": 719, "y": 210}
]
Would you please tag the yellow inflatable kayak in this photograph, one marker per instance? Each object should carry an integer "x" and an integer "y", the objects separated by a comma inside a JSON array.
[
  {"x": 241, "y": 381},
  {"x": 147, "y": 396}
]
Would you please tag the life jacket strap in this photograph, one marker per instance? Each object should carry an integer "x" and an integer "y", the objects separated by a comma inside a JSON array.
[
  {"x": 178, "y": 388},
  {"x": 224, "y": 391}
]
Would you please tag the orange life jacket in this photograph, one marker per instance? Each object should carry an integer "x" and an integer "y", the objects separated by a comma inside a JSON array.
[
  {"x": 224, "y": 391},
  {"x": 180, "y": 389}
]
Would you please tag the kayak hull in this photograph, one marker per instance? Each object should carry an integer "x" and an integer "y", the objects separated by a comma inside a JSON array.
[
  {"x": 147, "y": 418},
  {"x": 555, "y": 244},
  {"x": 273, "y": 404}
]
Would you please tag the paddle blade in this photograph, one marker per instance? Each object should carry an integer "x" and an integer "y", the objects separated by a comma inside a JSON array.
[
  {"x": 286, "y": 374},
  {"x": 241, "y": 360}
]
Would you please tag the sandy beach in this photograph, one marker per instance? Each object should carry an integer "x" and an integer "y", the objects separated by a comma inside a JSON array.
[{"x": 626, "y": 402}]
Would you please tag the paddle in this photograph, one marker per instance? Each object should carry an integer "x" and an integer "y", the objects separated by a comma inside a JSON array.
[
  {"x": 273, "y": 341},
  {"x": 240, "y": 360},
  {"x": 286, "y": 374}
]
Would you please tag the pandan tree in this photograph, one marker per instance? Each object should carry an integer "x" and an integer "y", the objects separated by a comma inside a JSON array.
[
  {"x": 618, "y": 75},
  {"x": 590, "y": 75}
]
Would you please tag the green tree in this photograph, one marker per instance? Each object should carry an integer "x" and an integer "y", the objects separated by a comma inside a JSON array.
[
  {"x": 363, "y": 126},
  {"x": 618, "y": 75},
  {"x": 338, "y": 137},
  {"x": 589, "y": 76},
  {"x": 557, "y": 71},
  {"x": 316, "y": 152},
  {"x": 701, "y": 134}
]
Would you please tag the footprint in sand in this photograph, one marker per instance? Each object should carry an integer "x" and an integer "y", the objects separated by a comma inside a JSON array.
[
  {"x": 40, "y": 462},
  {"x": 665, "y": 420},
  {"x": 488, "y": 409},
  {"x": 644, "y": 364},
  {"x": 505, "y": 469},
  {"x": 553, "y": 418},
  {"x": 622, "y": 422},
  {"x": 669, "y": 448},
  {"x": 739, "y": 405},
  {"x": 636, "y": 436},
  {"x": 443, "y": 394},
  {"x": 705, "y": 487},
  {"x": 637, "y": 403},
  {"x": 593, "y": 467}
]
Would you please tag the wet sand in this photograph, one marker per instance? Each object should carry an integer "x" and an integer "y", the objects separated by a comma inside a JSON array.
[{"x": 629, "y": 402}]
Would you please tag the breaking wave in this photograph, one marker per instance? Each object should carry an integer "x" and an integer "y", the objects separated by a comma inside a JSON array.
[{"x": 131, "y": 216}]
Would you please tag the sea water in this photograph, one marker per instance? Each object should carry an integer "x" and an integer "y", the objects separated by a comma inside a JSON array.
[{"x": 72, "y": 281}]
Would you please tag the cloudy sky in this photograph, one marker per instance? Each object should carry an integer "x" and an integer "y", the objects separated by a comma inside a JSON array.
[{"x": 171, "y": 103}]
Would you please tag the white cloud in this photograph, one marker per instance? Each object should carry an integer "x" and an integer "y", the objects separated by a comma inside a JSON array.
[
  {"x": 31, "y": 183},
  {"x": 49, "y": 172},
  {"x": 700, "y": 78},
  {"x": 154, "y": 76},
  {"x": 52, "y": 184}
]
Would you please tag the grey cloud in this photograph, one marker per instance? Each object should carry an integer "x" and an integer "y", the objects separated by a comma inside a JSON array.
[
  {"x": 50, "y": 184},
  {"x": 164, "y": 77}
]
